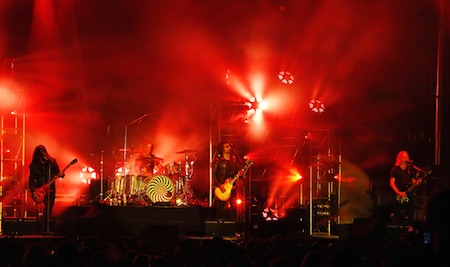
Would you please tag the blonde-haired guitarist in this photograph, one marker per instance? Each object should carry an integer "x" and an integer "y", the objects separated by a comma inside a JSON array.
[
  {"x": 225, "y": 167},
  {"x": 403, "y": 178}
]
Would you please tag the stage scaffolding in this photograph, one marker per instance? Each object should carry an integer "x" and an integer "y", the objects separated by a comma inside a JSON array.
[{"x": 12, "y": 164}]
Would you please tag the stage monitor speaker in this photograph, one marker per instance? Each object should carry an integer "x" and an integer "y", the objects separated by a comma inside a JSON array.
[
  {"x": 220, "y": 228},
  {"x": 19, "y": 226}
]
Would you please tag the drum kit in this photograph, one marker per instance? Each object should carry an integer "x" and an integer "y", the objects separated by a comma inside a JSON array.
[{"x": 146, "y": 181}]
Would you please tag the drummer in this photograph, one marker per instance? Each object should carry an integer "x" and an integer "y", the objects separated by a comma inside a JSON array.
[{"x": 147, "y": 161}]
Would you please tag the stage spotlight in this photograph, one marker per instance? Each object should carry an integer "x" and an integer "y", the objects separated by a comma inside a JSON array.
[
  {"x": 238, "y": 201},
  {"x": 86, "y": 174},
  {"x": 286, "y": 77},
  {"x": 256, "y": 105},
  {"x": 253, "y": 112},
  {"x": 316, "y": 106},
  {"x": 270, "y": 214},
  {"x": 122, "y": 171},
  {"x": 295, "y": 176}
]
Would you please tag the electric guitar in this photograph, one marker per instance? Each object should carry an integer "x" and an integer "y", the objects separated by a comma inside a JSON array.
[
  {"x": 405, "y": 199},
  {"x": 229, "y": 182},
  {"x": 39, "y": 194}
]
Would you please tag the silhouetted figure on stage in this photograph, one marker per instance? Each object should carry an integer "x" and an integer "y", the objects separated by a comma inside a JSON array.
[
  {"x": 43, "y": 169},
  {"x": 402, "y": 180},
  {"x": 225, "y": 165},
  {"x": 147, "y": 161}
]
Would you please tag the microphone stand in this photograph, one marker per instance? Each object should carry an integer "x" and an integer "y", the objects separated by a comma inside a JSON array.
[
  {"x": 125, "y": 142},
  {"x": 126, "y": 137},
  {"x": 101, "y": 176},
  {"x": 419, "y": 169}
]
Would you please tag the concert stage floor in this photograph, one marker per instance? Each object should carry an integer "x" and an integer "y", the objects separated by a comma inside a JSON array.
[
  {"x": 119, "y": 221},
  {"x": 166, "y": 224}
]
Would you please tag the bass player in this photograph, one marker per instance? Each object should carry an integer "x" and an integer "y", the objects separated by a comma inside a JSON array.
[
  {"x": 403, "y": 179},
  {"x": 43, "y": 168},
  {"x": 225, "y": 166}
]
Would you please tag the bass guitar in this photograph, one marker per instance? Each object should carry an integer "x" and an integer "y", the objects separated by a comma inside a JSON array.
[
  {"x": 408, "y": 190},
  {"x": 229, "y": 183},
  {"x": 39, "y": 194}
]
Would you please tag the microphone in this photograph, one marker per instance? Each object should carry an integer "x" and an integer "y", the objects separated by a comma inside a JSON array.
[
  {"x": 46, "y": 158},
  {"x": 409, "y": 161}
]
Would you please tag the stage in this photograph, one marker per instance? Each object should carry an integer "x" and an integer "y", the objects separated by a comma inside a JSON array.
[{"x": 167, "y": 224}]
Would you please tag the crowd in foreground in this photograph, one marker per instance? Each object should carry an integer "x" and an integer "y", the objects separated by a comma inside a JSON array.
[
  {"x": 278, "y": 250},
  {"x": 412, "y": 248}
]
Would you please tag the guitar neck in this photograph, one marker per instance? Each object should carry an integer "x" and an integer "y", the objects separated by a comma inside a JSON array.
[
  {"x": 410, "y": 188},
  {"x": 244, "y": 170},
  {"x": 63, "y": 170}
]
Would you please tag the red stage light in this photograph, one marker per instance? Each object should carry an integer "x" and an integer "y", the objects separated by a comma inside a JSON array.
[
  {"x": 286, "y": 77},
  {"x": 316, "y": 106},
  {"x": 86, "y": 174}
]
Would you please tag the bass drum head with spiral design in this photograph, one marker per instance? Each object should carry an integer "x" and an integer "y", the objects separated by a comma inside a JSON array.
[{"x": 159, "y": 189}]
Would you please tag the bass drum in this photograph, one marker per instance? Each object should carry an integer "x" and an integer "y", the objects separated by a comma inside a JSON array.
[{"x": 159, "y": 189}]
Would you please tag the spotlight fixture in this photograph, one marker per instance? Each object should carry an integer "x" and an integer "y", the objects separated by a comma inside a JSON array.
[
  {"x": 256, "y": 104},
  {"x": 86, "y": 174},
  {"x": 286, "y": 77},
  {"x": 316, "y": 106},
  {"x": 270, "y": 214}
]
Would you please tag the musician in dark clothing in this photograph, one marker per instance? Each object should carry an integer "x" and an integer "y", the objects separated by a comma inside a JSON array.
[
  {"x": 43, "y": 168},
  {"x": 402, "y": 181},
  {"x": 225, "y": 165},
  {"x": 147, "y": 161}
]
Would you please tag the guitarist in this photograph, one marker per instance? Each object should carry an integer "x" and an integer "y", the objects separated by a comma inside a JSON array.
[
  {"x": 402, "y": 177},
  {"x": 225, "y": 165},
  {"x": 43, "y": 168}
]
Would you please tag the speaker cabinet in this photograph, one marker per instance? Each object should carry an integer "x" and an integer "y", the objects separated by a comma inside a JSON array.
[
  {"x": 220, "y": 228},
  {"x": 19, "y": 226}
]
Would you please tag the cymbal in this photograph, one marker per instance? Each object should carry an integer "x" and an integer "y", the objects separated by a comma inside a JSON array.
[
  {"x": 130, "y": 150},
  {"x": 186, "y": 151}
]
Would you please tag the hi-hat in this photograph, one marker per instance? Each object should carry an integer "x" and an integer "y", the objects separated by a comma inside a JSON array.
[{"x": 186, "y": 151}]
